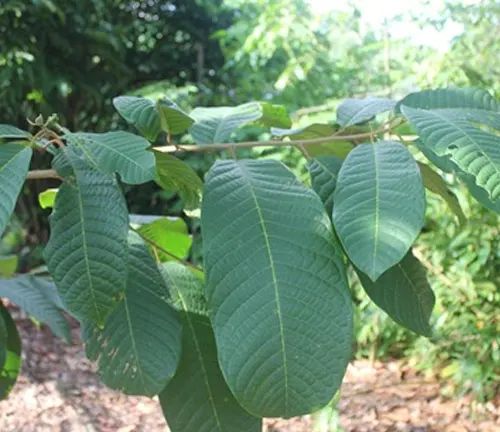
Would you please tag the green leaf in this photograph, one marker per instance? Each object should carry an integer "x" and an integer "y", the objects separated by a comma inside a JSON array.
[
  {"x": 435, "y": 183},
  {"x": 176, "y": 175},
  {"x": 8, "y": 131},
  {"x": 121, "y": 152},
  {"x": 141, "y": 113},
  {"x": 8, "y": 265},
  {"x": 198, "y": 398},
  {"x": 276, "y": 288},
  {"x": 215, "y": 125},
  {"x": 356, "y": 111},
  {"x": 471, "y": 149},
  {"x": 274, "y": 116},
  {"x": 35, "y": 295},
  {"x": 316, "y": 130},
  {"x": 172, "y": 119},
  {"x": 170, "y": 235},
  {"x": 403, "y": 292},
  {"x": 14, "y": 164},
  {"x": 324, "y": 171},
  {"x": 450, "y": 98},
  {"x": 3, "y": 341},
  {"x": 87, "y": 250},
  {"x": 379, "y": 205},
  {"x": 11, "y": 367},
  {"x": 47, "y": 198},
  {"x": 140, "y": 346}
]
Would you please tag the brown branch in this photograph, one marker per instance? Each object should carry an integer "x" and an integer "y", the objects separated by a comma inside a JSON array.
[{"x": 42, "y": 174}]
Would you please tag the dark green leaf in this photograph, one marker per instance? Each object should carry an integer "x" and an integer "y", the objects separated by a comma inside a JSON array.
[
  {"x": 141, "y": 113},
  {"x": 87, "y": 250},
  {"x": 35, "y": 296},
  {"x": 403, "y": 292},
  {"x": 172, "y": 119},
  {"x": 379, "y": 205},
  {"x": 356, "y": 111},
  {"x": 11, "y": 367},
  {"x": 324, "y": 171},
  {"x": 121, "y": 152},
  {"x": 14, "y": 164},
  {"x": 197, "y": 398},
  {"x": 269, "y": 246},
  {"x": 176, "y": 175},
  {"x": 140, "y": 346}
]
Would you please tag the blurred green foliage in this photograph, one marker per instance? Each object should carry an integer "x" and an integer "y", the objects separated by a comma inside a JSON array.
[{"x": 72, "y": 57}]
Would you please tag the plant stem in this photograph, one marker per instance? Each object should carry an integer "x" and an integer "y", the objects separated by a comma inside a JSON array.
[{"x": 42, "y": 174}]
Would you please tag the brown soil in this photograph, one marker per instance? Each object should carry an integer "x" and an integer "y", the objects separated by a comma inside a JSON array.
[{"x": 59, "y": 391}]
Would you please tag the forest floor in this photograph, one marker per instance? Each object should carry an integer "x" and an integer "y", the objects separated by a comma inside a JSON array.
[{"x": 60, "y": 391}]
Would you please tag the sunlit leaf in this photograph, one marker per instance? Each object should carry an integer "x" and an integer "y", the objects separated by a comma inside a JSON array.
[{"x": 47, "y": 198}]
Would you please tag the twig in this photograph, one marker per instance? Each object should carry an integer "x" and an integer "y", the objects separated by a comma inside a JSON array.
[
  {"x": 42, "y": 174},
  {"x": 166, "y": 252}
]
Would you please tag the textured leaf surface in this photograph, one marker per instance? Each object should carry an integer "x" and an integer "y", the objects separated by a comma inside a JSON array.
[
  {"x": 404, "y": 293},
  {"x": 87, "y": 250},
  {"x": 140, "y": 346},
  {"x": 435, "y": 183},
  {"x": 473, "y": 150},
  {"x": 172, "y": 119},
  {"x": 34, "y": 295},
  {"x": 324, "y": 171},
  {"x": 379, "y": 205},
  {"x": 11, "y": 367},
  {"x": 215, "y": 125},
  {"x": 198, "y": 398},
  {"x": 276, "y": 288},
  {"x": 170, "y": 235},
  {"x": 316, "y": 130},
  {"x": 141, "y": 113},
  {"x": 8, "y": 131},
  {"x": 451, "y": 98},
  {"x": 176, "y": 175},
  {"x": 120, "y": 152},
  {"x": 14, "y": 164},
  {"x": 355, "y": 111}
]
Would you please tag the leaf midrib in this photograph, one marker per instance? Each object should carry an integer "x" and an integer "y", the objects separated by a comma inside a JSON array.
[
  {"x": 377, "y": 213},
  {"x": 275, "y": 284}
]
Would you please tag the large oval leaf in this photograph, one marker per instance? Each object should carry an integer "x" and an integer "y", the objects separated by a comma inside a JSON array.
[
  {"x": 197, "y": 398},
  {"x": 276, "y": 288},
  {"x": 35, "y": 295},
  {"x": 121, "y": 152},
  {"x": 14, "y": 164},
  {"x": 87, "y": 251},
  {"x": 379, "y": 205},
  {"x": 404, "y": 293},
  {"x": 324, "y": 171},
  {"x": 9, "y": 370},
  {"x": 473, "y": 151},
  {"x": 355, "y": 111},
  {"x": 140, "y": 346},
  {"x": 215, "y": 125}
]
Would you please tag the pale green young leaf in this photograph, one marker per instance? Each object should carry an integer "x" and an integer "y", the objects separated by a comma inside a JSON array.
[
  {"x": 472, "y": 150},
  {"x": 404, "y": 293},
  {"x": 14, "y": 164},
  {"x": 170, "y": 235},
  {"x": 176, "y": 175},
  {"x": 141, "y": 113},
  {"x": 35, "y": 296},
  {"x": 274, "y": 116},
  {"x": 8, "y": 131},
  {"x": 139, "y": 348},
  {"x": 47, "y": 198},
  {"x": 172, "y": 119},
  {"x": 215, "y": 125},
  {"x": 268, "y": 245},
  {"x": 379, "y": 205},
  {"x": 87, "y": 250},
  {"x": 355, "y": 111},
  {"x": 8, "y": 265},
  {"x": 198, "y": 397},
  {"x": 324, "y": 171},
  {"x": 9, "y": 370},
  {"x": 117, "y": 152},
  {"x": 435, "y": 183}
]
